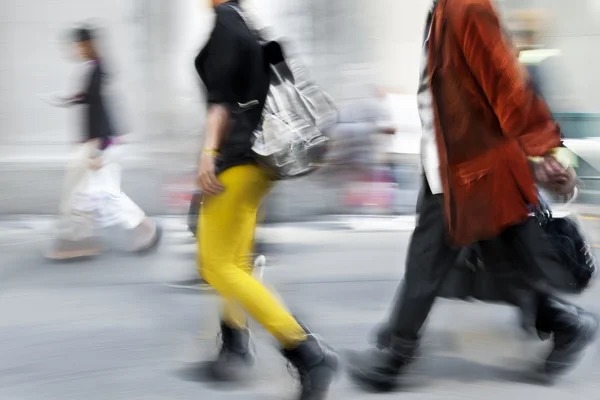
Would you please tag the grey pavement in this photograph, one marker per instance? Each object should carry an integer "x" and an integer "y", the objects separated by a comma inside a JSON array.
[{"x": 110, "y": 329}]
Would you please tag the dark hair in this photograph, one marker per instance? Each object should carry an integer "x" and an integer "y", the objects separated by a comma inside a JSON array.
[{"x": 83, "y": 34}]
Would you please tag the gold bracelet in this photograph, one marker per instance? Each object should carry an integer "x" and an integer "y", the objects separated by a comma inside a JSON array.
[{"x": 210, "y": 152}]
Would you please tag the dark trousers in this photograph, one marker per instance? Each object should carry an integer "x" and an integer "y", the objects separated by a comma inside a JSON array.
[
  {"x": 522, "y": 260},
  {"x": 428, "y": 262}
]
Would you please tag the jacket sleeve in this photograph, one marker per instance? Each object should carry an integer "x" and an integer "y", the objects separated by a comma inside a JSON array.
[
  {"x": 78, "y": 93},
  {"x": 522, "y": 114},
  {"x": 220, "y": 63}
]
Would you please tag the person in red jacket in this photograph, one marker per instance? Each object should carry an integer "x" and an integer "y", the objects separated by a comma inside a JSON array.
[{"x": 482, "y": 125}]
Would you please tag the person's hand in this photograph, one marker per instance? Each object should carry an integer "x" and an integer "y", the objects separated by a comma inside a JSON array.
[
  {"x": 95, "y": 163},
  {"x": 207, "y": 180},
  {"x": 55, "y": 99},
  {"x": 549, "y": 171},
  {"x": 565, "y": 187},
  {"x": 552, "y": 175}
]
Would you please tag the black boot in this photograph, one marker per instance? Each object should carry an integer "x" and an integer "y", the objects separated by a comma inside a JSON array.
[
  {"x": 234, "y": 359},
  {"x": 378, "y": 369},
  {"x": 317, "y": 366},
  {"x": 573, "y": 331},
  {"x": 382, "y": 337}
]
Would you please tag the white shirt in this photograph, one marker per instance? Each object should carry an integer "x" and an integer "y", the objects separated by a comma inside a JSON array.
[{"x": 429, "y": 154}]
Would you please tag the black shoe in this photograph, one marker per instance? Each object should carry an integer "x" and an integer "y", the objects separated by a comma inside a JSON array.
[
  {"x": 153, "y": 244},
  {"x": 382, "y": 337},
  {"x": 234, "y": 360},
  {"x": 197, "y": 284},
  {"x": 378, "y": 369},
  {"x": 317, "y": 366},
  {"x": 574, "y": 330}
]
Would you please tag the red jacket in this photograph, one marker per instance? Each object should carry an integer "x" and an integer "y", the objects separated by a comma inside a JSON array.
[{"x": 487, "y": 121}]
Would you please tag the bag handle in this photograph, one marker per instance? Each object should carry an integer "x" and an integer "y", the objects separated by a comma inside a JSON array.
[{"x": 273, "y": 50}]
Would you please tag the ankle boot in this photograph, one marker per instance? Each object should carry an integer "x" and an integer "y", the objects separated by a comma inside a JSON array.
[
  {"x": 235, "y": 357},
  {"x": 378, "y": 369},
  {"x": 573, "y": 331},
  {"x": 317, "y": 366},
  {"x": 382, "y": 336}
]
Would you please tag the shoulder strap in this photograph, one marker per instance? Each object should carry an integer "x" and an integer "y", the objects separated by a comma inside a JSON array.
[
  {"x": 273, "y": 51},
  {"x": 251, "y": 26}
]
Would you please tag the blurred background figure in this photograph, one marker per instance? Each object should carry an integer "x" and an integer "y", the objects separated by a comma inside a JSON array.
[
  {"x": 361, "y": 157},
  {"x": 544, "y": 64},
  {"x": 92, "y": 195},
  {"x": 353, "y": 152},
  {"x": 386, "y": 128}
]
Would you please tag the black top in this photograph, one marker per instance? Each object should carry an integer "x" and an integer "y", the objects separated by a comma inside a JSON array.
[
  {"x": 97, "y": 123},
  {"x": 233, "y": 68}
]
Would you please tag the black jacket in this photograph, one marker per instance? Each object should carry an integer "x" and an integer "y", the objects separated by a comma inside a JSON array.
[
  {"x": 234, "y": 70},
  {"x": 97, "y": 121}
]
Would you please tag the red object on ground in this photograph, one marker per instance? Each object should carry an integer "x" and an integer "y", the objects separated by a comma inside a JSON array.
[{"x": 178, "y": 191}]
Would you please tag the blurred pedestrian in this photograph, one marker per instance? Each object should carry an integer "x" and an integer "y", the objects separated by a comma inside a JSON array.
[
  {"x": 356, "y": 161},
  {"x": 386, "y": 128},
  {"x": 92, "y": 197},
  {"x": 544, "y": 64},
  {"x": 481, "y": 124},
  {"x": 233, "y": 68}
]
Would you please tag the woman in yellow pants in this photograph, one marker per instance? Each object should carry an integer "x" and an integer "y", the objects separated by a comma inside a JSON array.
[{"x": 234, "y": 71}]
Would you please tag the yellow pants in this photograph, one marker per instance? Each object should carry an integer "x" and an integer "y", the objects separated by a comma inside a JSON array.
[{"x": 227, "y": 222}]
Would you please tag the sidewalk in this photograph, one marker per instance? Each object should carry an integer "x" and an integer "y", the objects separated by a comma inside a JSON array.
[
  {"x": 588, "y": 211},
  {"x": 27, "y": 224},
  {"x": 313, "y": 230}
]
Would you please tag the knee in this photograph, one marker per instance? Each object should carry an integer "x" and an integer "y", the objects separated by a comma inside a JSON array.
[{"x": 215, "y": 271}]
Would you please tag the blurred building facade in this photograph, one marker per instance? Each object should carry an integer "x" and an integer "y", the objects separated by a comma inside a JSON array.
[
  {"x": 574, "y": 29},
  {"x": 150, "y": 46}
]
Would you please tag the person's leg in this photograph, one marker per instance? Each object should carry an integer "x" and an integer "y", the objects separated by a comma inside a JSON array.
[
  {"x": 224, "y": 222},
  {"x": 227, "y": 223},
  {"x": 233, "y": 314},
  {"x": 236, "y": 351},
  {"x": 76, "y": 228},
  {"x": 429, "y": 260},
  {"x": 572, "y": 329},
  {"x": 198, "y": 283},
  {"x": 118, "y": 209}
]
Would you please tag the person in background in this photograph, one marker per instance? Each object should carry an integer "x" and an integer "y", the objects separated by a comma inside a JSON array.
[
  {"x": 543, "y": 64},
  {"x": 235, "y": 73},
  {"x": 92, "y": 195},
  {"x": 352, "y": 154},
  {"x": 386, "y": 134},
  {"x": 482, "y": 123},
  {"x": 361, "y": 143}
]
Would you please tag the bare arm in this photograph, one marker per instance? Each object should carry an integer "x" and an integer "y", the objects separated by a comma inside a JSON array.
[{"x": 217, "y": 121}]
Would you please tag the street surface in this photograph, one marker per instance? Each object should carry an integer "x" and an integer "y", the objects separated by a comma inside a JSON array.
[{"x": 110, "y": 328}]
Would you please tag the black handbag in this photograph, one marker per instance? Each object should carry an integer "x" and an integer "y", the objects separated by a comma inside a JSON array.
[
  {"x": 567, "y": 239},
  {"x": 194, "y": 212}
]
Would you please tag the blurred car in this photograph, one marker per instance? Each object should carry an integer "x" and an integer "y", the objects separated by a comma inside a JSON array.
[{"x": 581, "y": 134}]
